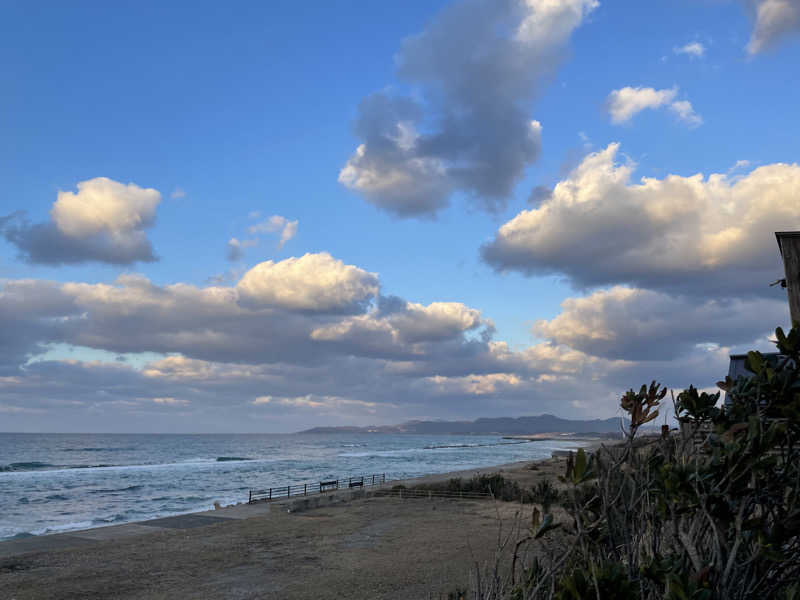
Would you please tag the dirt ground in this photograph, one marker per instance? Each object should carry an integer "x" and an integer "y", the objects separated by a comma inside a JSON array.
[{"x": 372, "y": 548}]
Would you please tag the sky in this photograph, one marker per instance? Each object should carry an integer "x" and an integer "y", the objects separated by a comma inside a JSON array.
[{"x": 263, "y": 217}]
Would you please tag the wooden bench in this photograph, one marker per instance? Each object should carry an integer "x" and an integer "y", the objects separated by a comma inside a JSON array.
[
  {"x": 356, "y": 483},
  {"x": 324, "y": 486}
]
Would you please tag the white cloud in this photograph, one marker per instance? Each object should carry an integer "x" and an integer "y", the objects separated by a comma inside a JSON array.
[
  {"x": 276, "y": 223},
  {"x": 179, "y": 367},
  {"x": 636, "y": 324},
  {"x": 270, "y": 225},
  {"x": 478, "y": 66},
  {"x": 403, "y": 186},
  {"x": 686, "y": 234},
  {"x": 402, "y": 331},
  {"x": 739, "y": 164},
  {"x": 16, "y": 410},
  {"x": 692, "y": 49},
  {"x": 102, "y": 205},
  {"x": 310, "y": 341},
  {"x": 685, "y": 112},
  {"x": 288, "y": 232},
  {"x": 103, "y": 221},
  {"x": 178, "y": 193},
  {"x": 313, "y": 282},
  {"x": 170, "y": 401},
  {"x": 476, "y": 385},
  {"x": 438, "y": 320},
  {"x": 313, "y": 402},
  {"x": 775, "y": 20},
  {"x": 625, "y": 103}
]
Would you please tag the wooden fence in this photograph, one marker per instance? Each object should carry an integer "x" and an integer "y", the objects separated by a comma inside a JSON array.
[
  {"x": 401, "y": 492},
  {"x": 308, "y": 489}
]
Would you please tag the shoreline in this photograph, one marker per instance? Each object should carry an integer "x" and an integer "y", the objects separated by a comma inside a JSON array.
[
  {"x": 346, "y": 543},
  {"x": 243, "y": 510}
]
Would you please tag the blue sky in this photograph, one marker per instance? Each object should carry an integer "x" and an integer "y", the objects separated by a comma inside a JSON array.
[{"x": 259, "y": 108}]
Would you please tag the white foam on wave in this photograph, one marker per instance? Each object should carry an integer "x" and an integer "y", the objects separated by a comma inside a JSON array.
[
  {"x": 404, "y": 452},
  {"x": 173, "y": 465},
  {"x": 63, "y": 527}
]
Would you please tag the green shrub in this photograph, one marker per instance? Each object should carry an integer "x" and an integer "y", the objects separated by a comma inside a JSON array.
[
  {"x": 546, "y": 494},
  {"x": 675, "y": 520}
]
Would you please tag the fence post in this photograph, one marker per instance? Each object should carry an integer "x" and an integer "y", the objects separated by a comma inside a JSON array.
[
  {"x": 789, "y": 245},
  {"x": 270, "y": 493},
  {"x": 250, "y": 496},
  {"x": 305, "y": 489}
]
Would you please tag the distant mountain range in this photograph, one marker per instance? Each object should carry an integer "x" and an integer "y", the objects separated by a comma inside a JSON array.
[{"x": 499, "y": 425}]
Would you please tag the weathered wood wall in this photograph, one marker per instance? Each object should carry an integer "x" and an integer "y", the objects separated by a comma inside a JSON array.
[{"x": 789, "y": 243}]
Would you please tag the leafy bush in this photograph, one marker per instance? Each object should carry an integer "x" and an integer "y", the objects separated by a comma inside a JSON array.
[{"x": 675, "y": 519}]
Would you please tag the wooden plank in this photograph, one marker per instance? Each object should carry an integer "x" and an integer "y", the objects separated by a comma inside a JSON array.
[{"x": 789, "y": 244}]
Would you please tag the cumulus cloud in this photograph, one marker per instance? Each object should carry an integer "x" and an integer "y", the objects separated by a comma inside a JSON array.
[
  {"x": 696, "y": 234},
  {"x": 276, "y": 224},
  {"x": 625, "y": 103},
  {"x": 636, "y": 324},
  {"x": 476, "y": 385},
  {"x": 291, "y": 349},
  {"x": 436, "y": 321},
  {"x": 692, "y": 50},
  {"x": 775, "y": 20},
  {"x": 31, "y": 316},
  {"x": 313, "y": 282},
  {"x": 407, "y": 331},
  {"x": 104, "y": 221},
  {"x": 477, "y": 66},
  {"x": 259, "y": 388},
  {"x": 218, "y": 347}
]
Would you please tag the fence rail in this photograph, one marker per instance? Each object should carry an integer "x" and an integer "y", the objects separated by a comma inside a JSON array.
[
  {"x": 422, "y": 493},
  {"x": 309, "y": 489}
]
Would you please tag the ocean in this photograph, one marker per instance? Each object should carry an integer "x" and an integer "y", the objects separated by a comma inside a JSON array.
[{"x": 60, "y": 482}]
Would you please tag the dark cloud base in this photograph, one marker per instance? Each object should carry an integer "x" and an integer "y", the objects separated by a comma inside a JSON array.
[{"x": 45, "y": 244}]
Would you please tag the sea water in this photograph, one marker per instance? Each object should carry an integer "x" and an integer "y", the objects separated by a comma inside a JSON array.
[{"x": 61, "y": 482}]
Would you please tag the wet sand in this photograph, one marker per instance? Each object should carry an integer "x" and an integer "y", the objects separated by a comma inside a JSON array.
[{"x": 368, "y": 547}]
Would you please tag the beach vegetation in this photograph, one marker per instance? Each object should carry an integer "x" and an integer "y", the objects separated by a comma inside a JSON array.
[
  {"x": 545, "y": 493},
  {"x": 708, "y": 513},
  {"x": 501, "y": 488}
]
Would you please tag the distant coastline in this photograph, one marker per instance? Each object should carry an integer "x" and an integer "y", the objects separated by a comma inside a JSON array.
[{"x": 550, "y": 426}]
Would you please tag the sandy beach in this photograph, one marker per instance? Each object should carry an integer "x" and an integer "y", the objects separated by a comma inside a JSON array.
[{"x": 369, "y": 547}]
